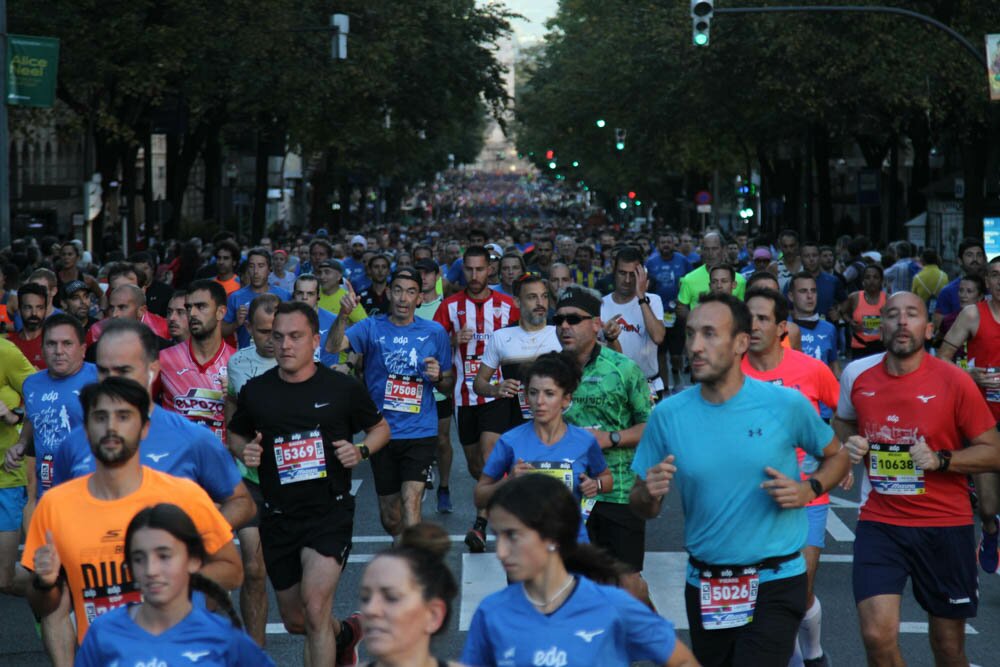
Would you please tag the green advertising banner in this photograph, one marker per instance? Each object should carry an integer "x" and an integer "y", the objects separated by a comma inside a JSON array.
[{"x": 31, "y": 70}]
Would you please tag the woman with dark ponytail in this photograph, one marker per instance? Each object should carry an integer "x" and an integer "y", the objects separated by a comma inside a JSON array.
[
  {"x": 554, "y": 612},
  {"x": 406, "y": 594},
  {"x": 164, "y": 552}
]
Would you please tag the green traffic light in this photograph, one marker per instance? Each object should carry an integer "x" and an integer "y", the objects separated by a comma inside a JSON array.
[
  {"x": 601, "y": 123},
  {"x": 575, "y": 163},
  {"x": 701, "y": 39},
  {"x": 638, "y": 203},
  {"x": 620, "y": 145},
  {"x": 552, "y": 165}
]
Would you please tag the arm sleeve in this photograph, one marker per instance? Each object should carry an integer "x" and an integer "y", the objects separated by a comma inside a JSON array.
[
  {"x": 231, "y": 309},
  {"x": 501, "y": 459},
  {"x": 491, "y": 355},
  {"x": 217, "y": 471},
  {"x": 214, "y": 529},
  {"x": 813, "y": 433},
  {"x": 364, "y": 415},
  {"x": 648, "y": 636},
  {"x": 653, "y": 446},
  {"x": 477, "y": 651},
  {"x": 596, "y": 463},
  {"x": 443, "y": 353},
  {"x": 358, "y": 336}
]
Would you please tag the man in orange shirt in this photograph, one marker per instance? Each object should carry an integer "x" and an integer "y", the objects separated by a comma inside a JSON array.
[
  {"x": 769, "y": 361},
  {"x": 75, "y": 543}
]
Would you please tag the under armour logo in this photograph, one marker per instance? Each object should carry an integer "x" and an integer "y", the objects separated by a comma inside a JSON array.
[{"x": 752, "y": 432}]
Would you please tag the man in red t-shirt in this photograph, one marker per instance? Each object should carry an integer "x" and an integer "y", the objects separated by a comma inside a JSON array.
[
  {"x": 769, "y": 361},
  {"x": 978, "y": 326},
  {"x": 920, "y": 425},
  {"x": 194, "y": 374},
  {"x": 470, "y": 317},
  {"x": 32, "y": 304}
]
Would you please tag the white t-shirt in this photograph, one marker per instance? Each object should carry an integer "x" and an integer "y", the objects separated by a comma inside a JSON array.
[
  {"x": 512, "y": 349},
  {"x": 634, "y": 338}
]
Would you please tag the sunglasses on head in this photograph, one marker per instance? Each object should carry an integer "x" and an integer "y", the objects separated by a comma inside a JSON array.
[{"x": 573, "y": 320}]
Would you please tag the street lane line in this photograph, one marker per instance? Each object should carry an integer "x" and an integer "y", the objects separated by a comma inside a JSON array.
[
  {"x": 837, "y": 501},
  {"x": 482, "y": 575},
  {"x": 837, "y": 528}
]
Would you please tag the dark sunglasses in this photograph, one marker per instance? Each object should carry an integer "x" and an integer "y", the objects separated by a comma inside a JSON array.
[{"x": 573, "y": 320}]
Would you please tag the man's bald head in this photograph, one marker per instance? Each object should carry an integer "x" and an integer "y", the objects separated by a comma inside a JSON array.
[
  {"x": 127, "y": 301},
  {"x": 904, "y": 299}
]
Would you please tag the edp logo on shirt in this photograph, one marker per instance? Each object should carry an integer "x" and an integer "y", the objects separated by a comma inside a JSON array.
[{"x": 551, "y": 658}]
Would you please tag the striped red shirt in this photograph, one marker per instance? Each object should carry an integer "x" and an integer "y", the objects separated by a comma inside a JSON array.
[{"x": 483, "y": 316}]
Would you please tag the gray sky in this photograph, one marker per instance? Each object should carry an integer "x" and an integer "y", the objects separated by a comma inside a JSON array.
[{"x": 536, "y": 12}]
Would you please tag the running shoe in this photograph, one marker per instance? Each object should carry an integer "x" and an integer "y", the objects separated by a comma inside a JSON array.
[
  {"x": 476, "y": 541},
  {"x": 989, "y": 556},
  {"x": 817, "y": 662},
  {"x": 444, "y": 501},
  {"x": 347, "y": 651}
]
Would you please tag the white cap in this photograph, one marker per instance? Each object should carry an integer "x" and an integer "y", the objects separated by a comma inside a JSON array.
[{"x": 358, "y": 238}]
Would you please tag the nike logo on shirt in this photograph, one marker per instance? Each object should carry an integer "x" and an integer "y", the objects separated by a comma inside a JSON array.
[{"x": 320, "y": 405}]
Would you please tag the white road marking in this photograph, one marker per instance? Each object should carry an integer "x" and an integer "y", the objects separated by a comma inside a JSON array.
[
  {"x": 837, "y": 501},
  {"x": 482, "y": 574},
  {"x": 837, "y": 528}
]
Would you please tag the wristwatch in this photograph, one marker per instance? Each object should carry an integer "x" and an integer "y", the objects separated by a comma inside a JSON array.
[
  {"x": 944, "y": 459},
  {"x": 365, "y": 452},
  {"x": 615, "y": 437},
  {"x": 644, "y": 300},
  {"x": 816, "y": 486}
]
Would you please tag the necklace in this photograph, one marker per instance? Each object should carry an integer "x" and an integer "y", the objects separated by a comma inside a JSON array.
[{"x": 546, "y": 603}]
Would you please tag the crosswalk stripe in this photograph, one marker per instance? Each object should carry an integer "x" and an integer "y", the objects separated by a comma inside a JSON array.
[
  {"x": 837, "y": 528},
  {"x": 482, "y": 574}
]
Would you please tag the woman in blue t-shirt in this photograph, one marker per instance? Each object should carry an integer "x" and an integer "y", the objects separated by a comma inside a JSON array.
[
  {"x": 164, "y": 553},
  {"x": 554, "y": 612},
  {"x": 547, "y": 444}
]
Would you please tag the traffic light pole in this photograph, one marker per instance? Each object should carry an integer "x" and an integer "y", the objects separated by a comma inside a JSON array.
[{"x": 858, "y": 9}]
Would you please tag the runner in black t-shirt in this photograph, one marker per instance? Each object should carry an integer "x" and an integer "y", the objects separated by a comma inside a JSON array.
[{"x": 295, "y": 424}]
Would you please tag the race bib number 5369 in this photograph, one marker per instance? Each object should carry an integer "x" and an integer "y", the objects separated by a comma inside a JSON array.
[{"x": 300, "y": 457}]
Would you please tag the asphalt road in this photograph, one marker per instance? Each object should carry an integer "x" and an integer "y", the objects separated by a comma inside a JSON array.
[{"x": 19, "y": 645}]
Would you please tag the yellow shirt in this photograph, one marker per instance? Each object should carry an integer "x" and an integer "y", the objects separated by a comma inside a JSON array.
[
  {"x": 331, "y": 302},
  {"x": 14, "y": 370}
]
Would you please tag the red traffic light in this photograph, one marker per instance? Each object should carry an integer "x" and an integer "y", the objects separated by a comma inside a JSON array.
[
  {"x": 631, "y": 195},
  {"x": 549, "y": 154}
]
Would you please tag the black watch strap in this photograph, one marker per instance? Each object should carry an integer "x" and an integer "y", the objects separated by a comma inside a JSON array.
[
  {"x": 816, "y": 486},
  {"x": 944, "y": 459}
]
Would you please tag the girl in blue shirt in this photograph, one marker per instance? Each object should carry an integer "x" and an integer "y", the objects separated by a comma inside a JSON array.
[
  {"x": 554, "y": 613},
  {"x": 547, "y": 444},
  {"x": 164, "y": 553}
]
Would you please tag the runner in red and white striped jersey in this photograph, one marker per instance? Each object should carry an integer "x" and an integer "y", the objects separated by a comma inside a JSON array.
[{"x": 471, "y": 317}]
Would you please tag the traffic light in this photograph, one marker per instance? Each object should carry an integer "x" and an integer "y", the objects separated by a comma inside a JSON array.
[
  {"x": 549, "y": 154},
  {"x": 620, "y": 138},
  {"x": 701, "y": 20},
  {"x": 576, "y": 163},
  {"x": 600, "y": 122},
  {"x": 552, "y": 165},
  {"x": 631, "y": 194}
]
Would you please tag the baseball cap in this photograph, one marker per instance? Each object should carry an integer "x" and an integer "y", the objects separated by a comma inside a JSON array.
[
  {"x": 74, "y": 286},
  {"x": 322, "y": 232},
  {"x": 762, "y": 253},
  {"x": 358, "y": 238},
  {"x": 495, "y": 250},
  {"x": 576, "y": 297},
  {"x": 406, "y": 273},
  {"x": 428, "y": 265},
  {"x": 330, "y": 264}
]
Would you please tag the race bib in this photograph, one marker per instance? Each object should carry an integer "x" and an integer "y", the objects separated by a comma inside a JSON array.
[
  {"x": 728, "y": 601},
  {"x": 98, "y": 600},
  {"x": 892, "y": 471},
  {"x": 45, "y": 472},
  {"x": 992, "y": 395},
  {"x": 586, "y": 507},
  {"x": 403, "y": 393},
  {"x": 300, "y": 457},
  {"x": 872, "y": 324},
  {"x": 471, "y": 367},
  {"x": 669, "y": 319},
  {"x": 560, "y": 471}
]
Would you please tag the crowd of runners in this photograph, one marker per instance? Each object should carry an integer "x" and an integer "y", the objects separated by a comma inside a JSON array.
[{"x": 183, "y": 423}]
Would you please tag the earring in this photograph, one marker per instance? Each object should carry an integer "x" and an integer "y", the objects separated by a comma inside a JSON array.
[{"x": 552, "y": 547}]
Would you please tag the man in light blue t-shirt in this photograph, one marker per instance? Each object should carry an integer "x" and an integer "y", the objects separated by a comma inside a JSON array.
[{"x": 730, "y": 442}]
